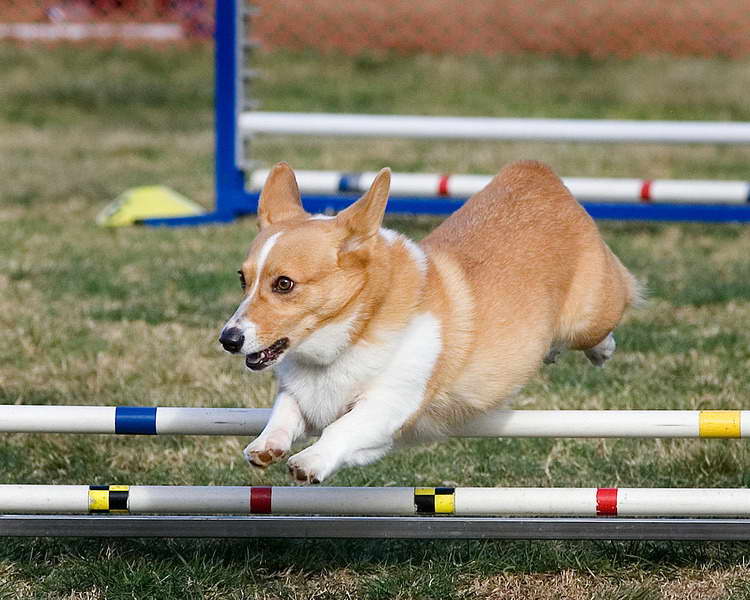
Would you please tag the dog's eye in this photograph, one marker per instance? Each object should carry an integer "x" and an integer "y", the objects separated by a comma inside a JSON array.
[
  {"x": 283, "y": 285},
  {"x": 242, "y": 280}
]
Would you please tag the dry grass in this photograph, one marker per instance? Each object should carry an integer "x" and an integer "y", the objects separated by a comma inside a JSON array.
[{"x": 702, "y": 584}]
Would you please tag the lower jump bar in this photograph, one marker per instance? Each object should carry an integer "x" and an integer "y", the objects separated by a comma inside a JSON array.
[{"x": 374, "y": 527}]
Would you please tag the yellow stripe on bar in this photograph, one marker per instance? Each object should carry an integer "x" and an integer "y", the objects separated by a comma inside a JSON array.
[
  {"x": 444, "y": 503},
  {"x": 98, "y": 500},
  {"x": 719, "y": 424}
]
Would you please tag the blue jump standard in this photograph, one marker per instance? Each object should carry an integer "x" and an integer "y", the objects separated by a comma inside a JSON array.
[{"x": 444, "y": 206}]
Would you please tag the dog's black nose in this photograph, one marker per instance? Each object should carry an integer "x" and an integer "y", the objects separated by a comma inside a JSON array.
[{"x": 232, "y": 339}]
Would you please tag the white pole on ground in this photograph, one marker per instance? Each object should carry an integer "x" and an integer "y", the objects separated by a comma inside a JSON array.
[
  {"x": 374, "y": 501},
  {"x": 44, "y": 499},
  {"x": 526, "y": 501}
]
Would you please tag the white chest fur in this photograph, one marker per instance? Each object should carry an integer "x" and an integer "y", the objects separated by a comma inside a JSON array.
[{"x": 326, "y": 390}]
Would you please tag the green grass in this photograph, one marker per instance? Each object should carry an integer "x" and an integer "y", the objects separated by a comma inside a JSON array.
[{"x": 91, "y": 316}]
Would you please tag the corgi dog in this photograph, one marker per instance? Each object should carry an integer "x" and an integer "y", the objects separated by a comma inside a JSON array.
[{"x": 377, "y": 340}]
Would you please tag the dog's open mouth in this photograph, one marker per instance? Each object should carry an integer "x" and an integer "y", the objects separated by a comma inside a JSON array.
[{"x": 258, "y": 361}]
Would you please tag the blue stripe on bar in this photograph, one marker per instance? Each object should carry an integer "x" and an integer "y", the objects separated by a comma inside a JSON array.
[
  {"x": 139, "y": 420},
  {"x": 348, "y": 182}
]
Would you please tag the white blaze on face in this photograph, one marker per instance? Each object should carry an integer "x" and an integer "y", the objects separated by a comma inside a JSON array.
[{"x": 238, "y": 319}]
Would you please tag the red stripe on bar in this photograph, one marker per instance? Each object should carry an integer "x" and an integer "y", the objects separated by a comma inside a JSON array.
[
  {"x": 606, "y": 502},
  {"x": 646, "y": 190},
  {"x": 443, "y": 185},
  {"x": 260, "y": 500}
]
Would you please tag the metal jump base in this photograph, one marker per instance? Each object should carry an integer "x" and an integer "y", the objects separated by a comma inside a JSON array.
[{"x": 456, "y": 528}]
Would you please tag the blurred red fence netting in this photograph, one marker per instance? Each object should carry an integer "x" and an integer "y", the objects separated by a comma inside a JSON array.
[
  {"x": 594, "y": 28},
  {"x": 119, "y": 20}
]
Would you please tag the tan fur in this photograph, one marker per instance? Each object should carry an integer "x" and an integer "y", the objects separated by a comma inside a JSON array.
[
  {"x": 539, "y": 273},
  {"x": 518, "y": 268}
]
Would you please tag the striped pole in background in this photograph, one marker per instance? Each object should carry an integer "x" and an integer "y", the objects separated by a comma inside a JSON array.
[
  {"x": 502, "y": 423},
  {"x": 373, "y": 501},
  {"x": 647, "y": 191}
]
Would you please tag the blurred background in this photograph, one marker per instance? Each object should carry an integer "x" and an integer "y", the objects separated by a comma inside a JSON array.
[
  {"x": 99, "y": 60},
  {"x": 596, "y": 28}
]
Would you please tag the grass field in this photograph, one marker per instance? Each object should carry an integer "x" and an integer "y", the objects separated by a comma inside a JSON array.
[{"x": 89, "y": 316}]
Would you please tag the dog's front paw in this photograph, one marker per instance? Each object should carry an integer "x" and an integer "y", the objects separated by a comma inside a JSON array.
[
  {"x": 264, "y": 451},
  {"x": 309, "y": 466}
]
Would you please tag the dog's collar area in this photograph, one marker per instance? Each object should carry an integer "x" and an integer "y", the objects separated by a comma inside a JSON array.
[{"x": 266, "y": 357}]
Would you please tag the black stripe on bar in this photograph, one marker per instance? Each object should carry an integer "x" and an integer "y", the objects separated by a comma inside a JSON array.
[
  {"x": 118, "y": 500},
  {"x": 425, "y": 503}
]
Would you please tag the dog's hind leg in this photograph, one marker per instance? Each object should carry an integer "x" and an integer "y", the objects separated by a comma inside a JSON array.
[
  {"x": 555, "y": 350},
  {"x": 602, "y": 352}
]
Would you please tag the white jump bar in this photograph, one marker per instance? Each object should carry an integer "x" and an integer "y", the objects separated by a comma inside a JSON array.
[
  {"x": 582, "y": 502},
  {"x": 585, "y": 189},
  {"x": 502, "y": 423},
  {"x": 483, "y": 128}
]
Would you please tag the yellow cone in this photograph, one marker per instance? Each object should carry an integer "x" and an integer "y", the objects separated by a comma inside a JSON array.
[{"x": 146, "y": 202}]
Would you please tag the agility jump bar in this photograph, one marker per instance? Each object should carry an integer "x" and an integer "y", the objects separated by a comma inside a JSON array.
[
  {"x": 141, "y": 420},
  {"x": 373, "y": 501},
  {"x": 646, "y": 191},
  {"x": 488, "y": 128}
]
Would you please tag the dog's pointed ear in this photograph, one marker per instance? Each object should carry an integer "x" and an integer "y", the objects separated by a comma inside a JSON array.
[
  {"x": 279, "y": 199},
  {"x": 362, "y": 220}
]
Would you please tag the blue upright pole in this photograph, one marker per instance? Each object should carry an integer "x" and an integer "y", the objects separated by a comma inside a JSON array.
[
  {"x": 231, "y": 199},
  {"x": 230, "y": 180}
]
